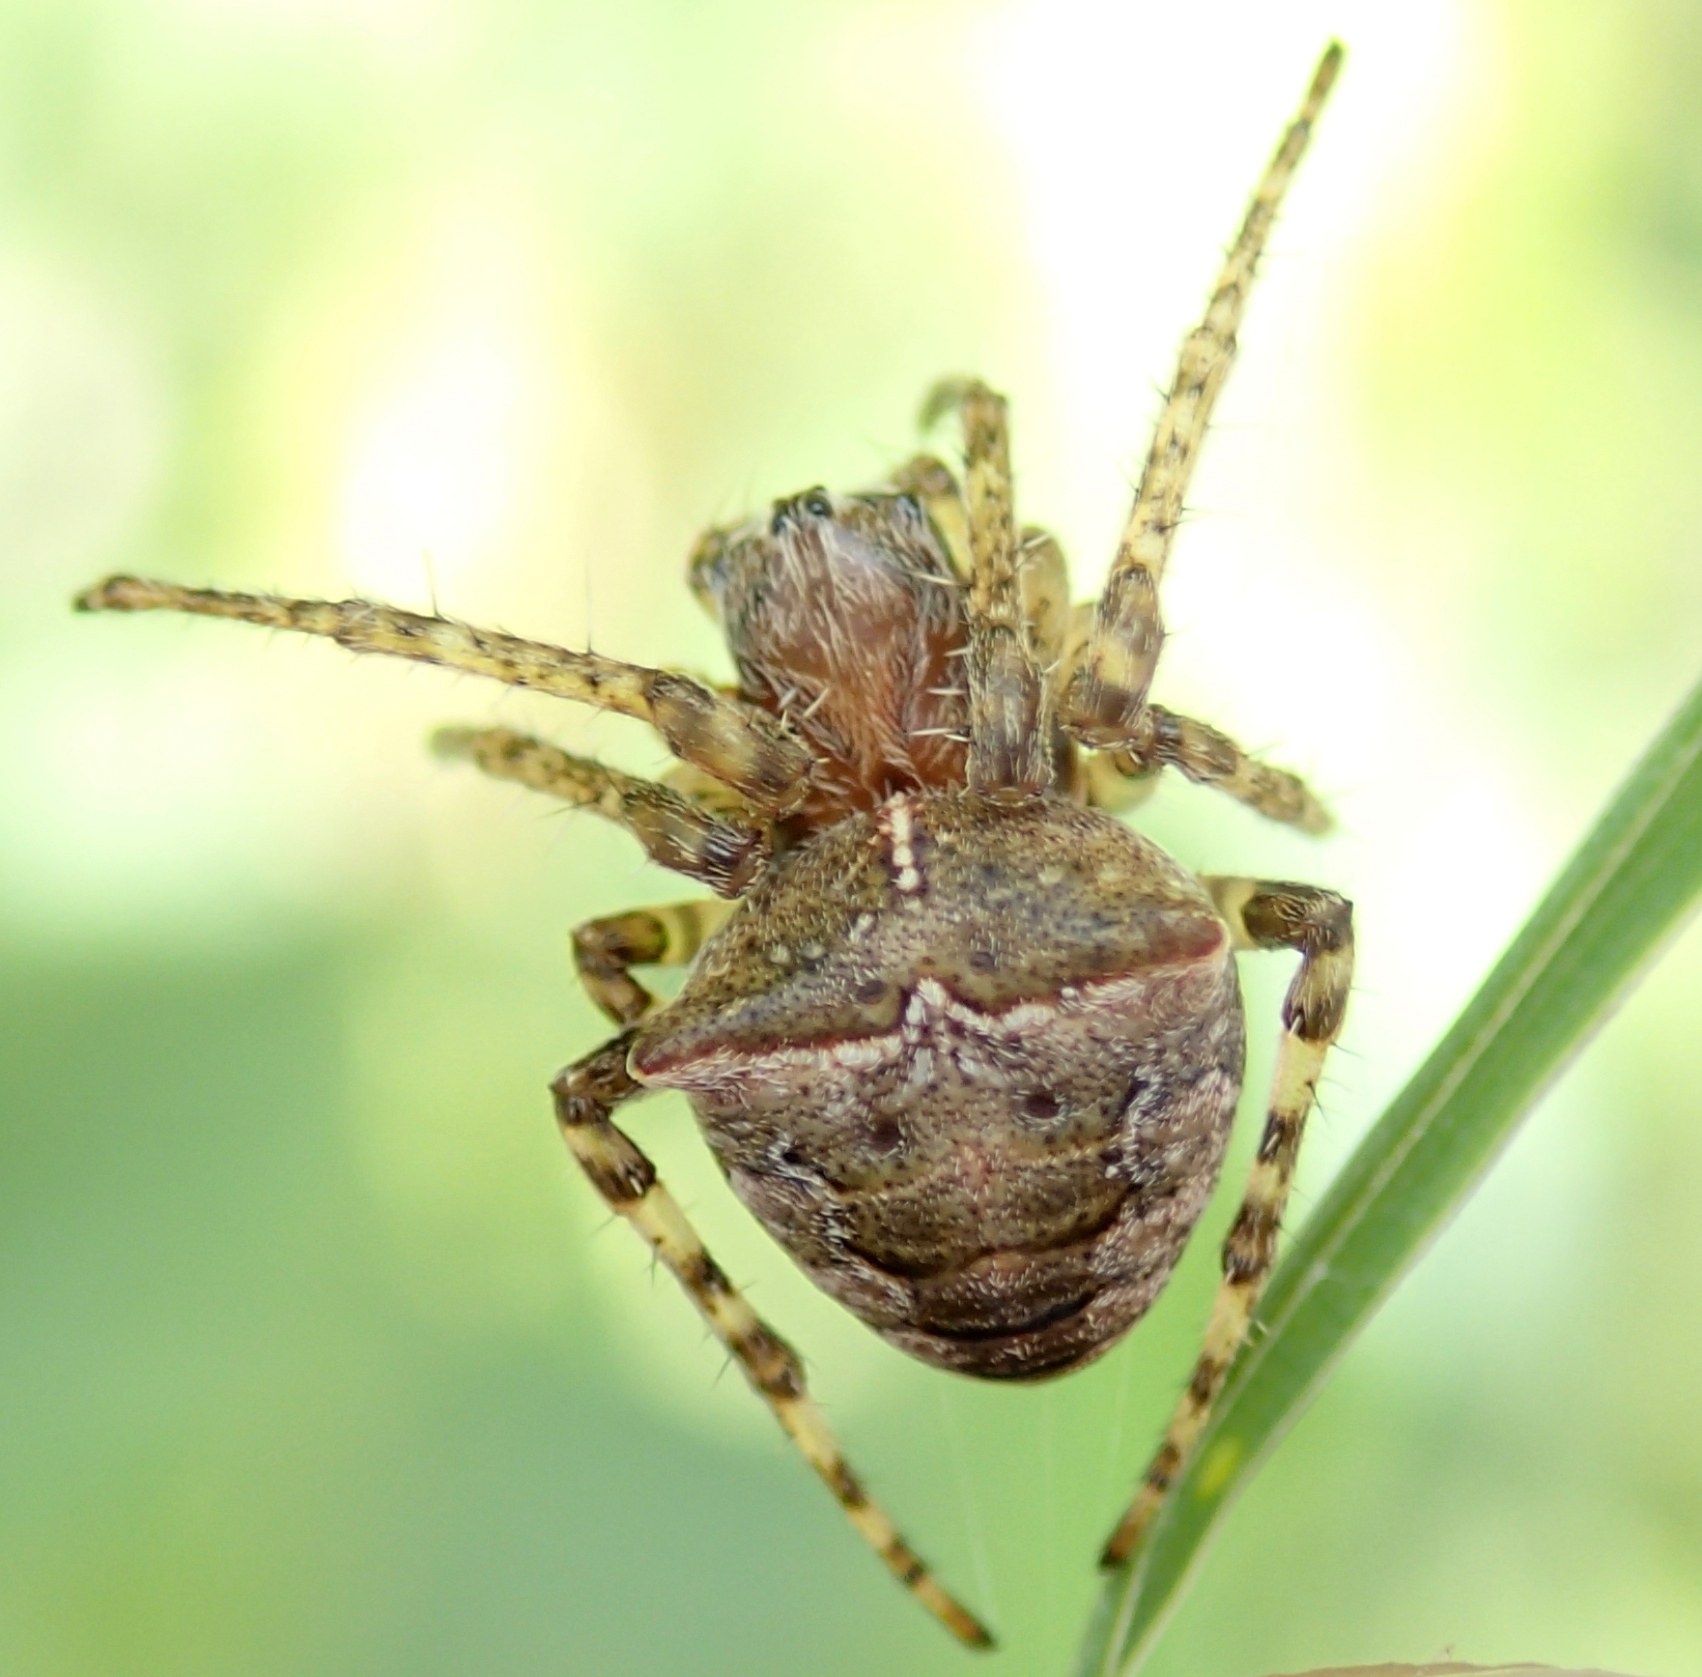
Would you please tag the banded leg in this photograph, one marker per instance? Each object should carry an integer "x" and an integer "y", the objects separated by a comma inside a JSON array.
[
  {"x": 1009, "y": 702},
  {"x": 1161, "y": 739},
  {"x": 732, "y": 740},
  {"x": 1042, "y": 575},
  {"x": 1319, "y": 924},
  {"x": 586, "y": 1095},
  {"x": 724, "y": 855},
  {"x": 704, "y": 792},
  {"x": 605, "y": 951},
  {"x": 1110, "y": 686}
]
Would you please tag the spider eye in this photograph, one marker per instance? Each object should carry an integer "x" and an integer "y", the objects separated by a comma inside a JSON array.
[{"x": 817, "y": 504}]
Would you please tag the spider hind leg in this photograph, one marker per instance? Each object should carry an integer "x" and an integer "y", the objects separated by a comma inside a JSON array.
[
  {"x": 1319, "y": 925},
  {"x": 586, "y": 1096}
]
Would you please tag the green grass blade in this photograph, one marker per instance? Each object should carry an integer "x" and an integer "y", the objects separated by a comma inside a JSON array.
[{"x": 1621, "y": 894}]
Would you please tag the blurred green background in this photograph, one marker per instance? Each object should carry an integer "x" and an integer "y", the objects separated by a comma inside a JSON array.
[{"x": 315, "y": 1354}]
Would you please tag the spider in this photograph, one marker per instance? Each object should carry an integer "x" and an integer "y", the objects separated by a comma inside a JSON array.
[{"x": 968, "y": 1046}]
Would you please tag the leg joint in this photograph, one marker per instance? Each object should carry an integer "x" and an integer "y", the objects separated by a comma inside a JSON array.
[{"x": 771, "y": 1363}]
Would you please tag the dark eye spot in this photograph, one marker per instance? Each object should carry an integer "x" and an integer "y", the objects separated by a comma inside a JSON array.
[
  {"x": 885, "y": 1136},
  {"x": 816, "y": 503},
  {"x": 910, "y": 508},
  {"x": 870, "y": 990},
  {"x": 1041, "y": 1105},
  {"x": 983, "y": 960}
]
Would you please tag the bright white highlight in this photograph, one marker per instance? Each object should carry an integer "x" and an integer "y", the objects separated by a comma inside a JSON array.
[{"x": 431, "y": 480}]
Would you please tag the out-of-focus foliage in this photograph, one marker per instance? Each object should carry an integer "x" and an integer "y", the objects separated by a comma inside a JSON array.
[
  {"x": 316, "y": 1355},
  {"x": 1451, "y": 1669}
]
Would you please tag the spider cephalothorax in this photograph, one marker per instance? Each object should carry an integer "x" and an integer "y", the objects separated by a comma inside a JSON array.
[
  {"x": 965, "y": 1044},
  {"x": 845, "y": 616}
]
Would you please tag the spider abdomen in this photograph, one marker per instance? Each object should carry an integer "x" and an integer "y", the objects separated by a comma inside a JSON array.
[{"x": 974, "y": 1066}]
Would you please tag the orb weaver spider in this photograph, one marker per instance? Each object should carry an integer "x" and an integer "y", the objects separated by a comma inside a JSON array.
[{"x": 968, "y": 1046}]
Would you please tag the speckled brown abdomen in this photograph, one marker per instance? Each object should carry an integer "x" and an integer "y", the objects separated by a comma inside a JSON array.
[{"x": 974, "y": 1067}]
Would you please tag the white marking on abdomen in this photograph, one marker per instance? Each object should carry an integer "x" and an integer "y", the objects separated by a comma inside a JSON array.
[{"x": 897, "y": 824}]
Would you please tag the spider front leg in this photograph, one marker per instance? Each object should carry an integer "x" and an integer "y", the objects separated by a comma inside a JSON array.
[
  {"x": 724, "y": 853},
  {"x": 733, "y": 741},
  {"x": 586, "y": 1096},
  {"x": 1010, "y": 707},
  {"x": 1319, "y": 925},
  {"x": 1110, "y": 685}
]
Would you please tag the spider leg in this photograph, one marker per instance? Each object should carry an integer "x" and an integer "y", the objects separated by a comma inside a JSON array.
[
  {"x": 726, "y": 855},
  {"x": 733, "y": 741},
  {"x": 586, "y": 1095},
  {"x": 606, "y": 949},
  {"x": 1043, "y": 578},
  {"x": 1010, "y": 705},
  {"x": 1161, "y": 738},
  {"x": 1319, "y": 924},
  {"x": 1113, "y": 785},
  {"x": 930, "y": 480},
  {"x": 704, "y": 792},
  {"x": 1110, "y": 685}
]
